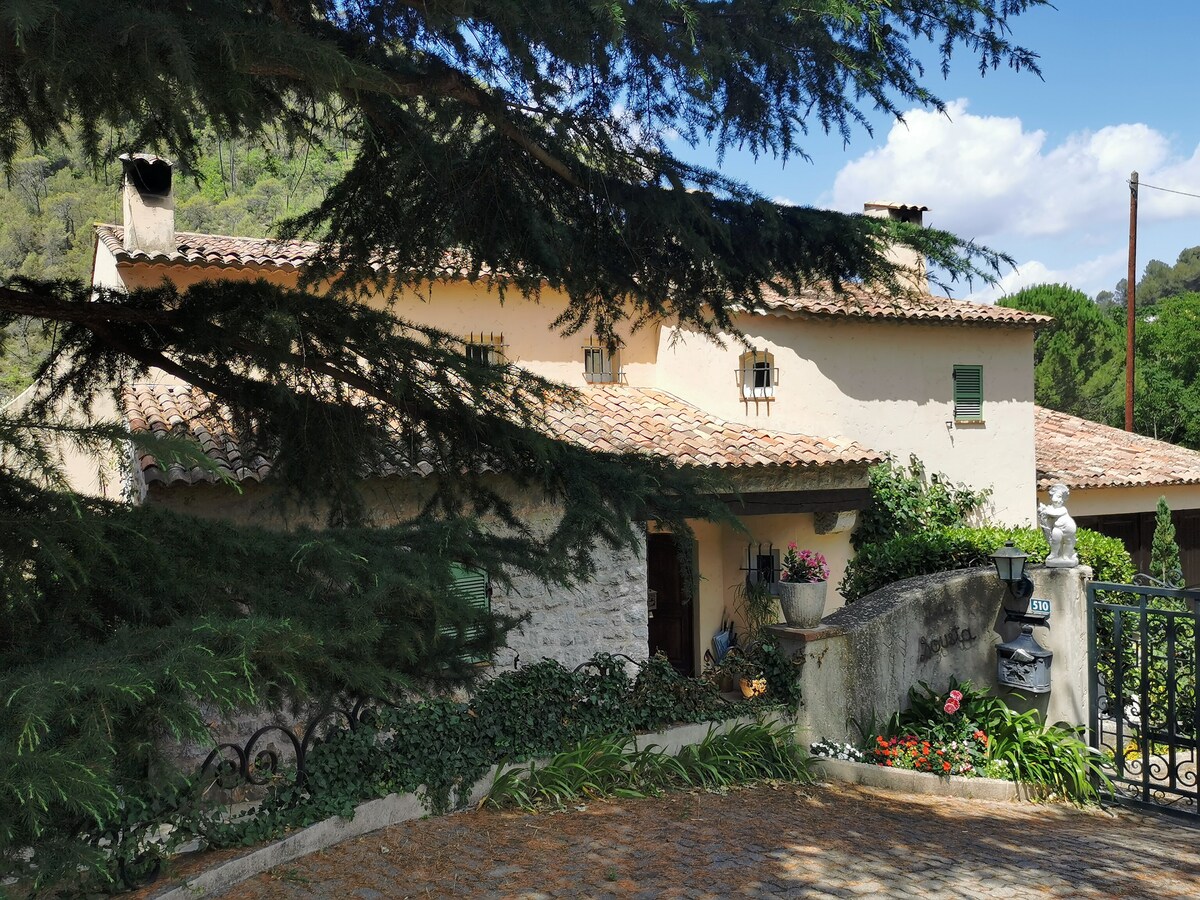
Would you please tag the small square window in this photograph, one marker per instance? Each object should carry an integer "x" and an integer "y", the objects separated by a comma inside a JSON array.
[
  {"x": 600, "y": 366},
  {"x": 757, "y": 375},
  {"x": 484, "y": 348}
]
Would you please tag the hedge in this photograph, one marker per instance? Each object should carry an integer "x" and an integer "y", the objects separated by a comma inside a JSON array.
[{"x": 943, "y": 549}]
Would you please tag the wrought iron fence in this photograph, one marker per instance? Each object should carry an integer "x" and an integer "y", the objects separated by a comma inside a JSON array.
[{"x": 1144, "y": 651}]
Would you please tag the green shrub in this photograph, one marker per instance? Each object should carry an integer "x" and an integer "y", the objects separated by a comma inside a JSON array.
[
  {"x": 609, "y": 767},
  {"x": 944, "y": 549},
  {"x": 906, "y": 500}
]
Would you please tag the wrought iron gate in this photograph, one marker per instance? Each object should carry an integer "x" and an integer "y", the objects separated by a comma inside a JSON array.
[{"x": 1143, "y": 653}]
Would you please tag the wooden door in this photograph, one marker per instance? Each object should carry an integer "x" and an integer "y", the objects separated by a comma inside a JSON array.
[{"x": 672, "y": 621}]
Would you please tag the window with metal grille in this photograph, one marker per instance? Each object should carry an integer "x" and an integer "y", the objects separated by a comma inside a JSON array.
[
  {"x": 600, "y": 366},
  {"x": 968, "y": 393},
  {"x": 484, "y": 348},
  {"x": 474, "y": 588},
  {"x": 757, "y": 375}
]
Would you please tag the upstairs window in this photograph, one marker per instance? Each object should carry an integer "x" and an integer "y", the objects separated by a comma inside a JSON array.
[
  {"x": 757, "y": 375},
  {"x": 968, "y": 393},
  {"x": 600, "y": 366},
  {"x": 485, "y": 348}
]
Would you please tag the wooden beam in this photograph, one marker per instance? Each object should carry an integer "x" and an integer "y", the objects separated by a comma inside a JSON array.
[{"x": 770, "y": 503}]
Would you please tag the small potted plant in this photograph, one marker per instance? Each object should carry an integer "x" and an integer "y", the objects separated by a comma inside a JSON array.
[
  {"x": 803, "y": 577},
  {"x": 745, "y": 673}
]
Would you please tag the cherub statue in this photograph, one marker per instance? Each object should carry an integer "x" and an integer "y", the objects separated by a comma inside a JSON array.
[{"x": 1059, "y": 529}]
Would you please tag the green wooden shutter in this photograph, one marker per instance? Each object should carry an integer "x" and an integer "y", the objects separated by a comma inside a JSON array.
[
  {"x": 968, "y": 393},
  {"x": 472, "y": 586}
]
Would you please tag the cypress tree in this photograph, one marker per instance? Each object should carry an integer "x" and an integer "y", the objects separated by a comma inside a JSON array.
[{"x": 1164, "y": 552}]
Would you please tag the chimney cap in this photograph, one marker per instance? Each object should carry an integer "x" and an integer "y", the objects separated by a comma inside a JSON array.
[
  {"x": 891, "y": 204},
  {"x": 148, "y": 173}
]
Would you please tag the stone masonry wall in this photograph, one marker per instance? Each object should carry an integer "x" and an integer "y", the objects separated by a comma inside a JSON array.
[{"x": 607, "y": 614}]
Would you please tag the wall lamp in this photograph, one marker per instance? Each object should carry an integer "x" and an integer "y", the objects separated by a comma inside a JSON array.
[{"x": 1010, "y": 568}]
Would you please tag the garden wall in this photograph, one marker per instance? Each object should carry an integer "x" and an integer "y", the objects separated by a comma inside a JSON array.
[{"x": 859, "y": 665}]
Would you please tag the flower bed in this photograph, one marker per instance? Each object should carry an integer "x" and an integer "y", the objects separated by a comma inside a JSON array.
[{"x": 969, "y": 734}]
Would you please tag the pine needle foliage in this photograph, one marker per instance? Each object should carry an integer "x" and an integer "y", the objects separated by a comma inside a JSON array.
[{"x": 526, "y": 141}]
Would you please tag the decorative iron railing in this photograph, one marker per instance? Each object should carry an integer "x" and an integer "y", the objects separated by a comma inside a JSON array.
[{"x": 1144, "y": 656}]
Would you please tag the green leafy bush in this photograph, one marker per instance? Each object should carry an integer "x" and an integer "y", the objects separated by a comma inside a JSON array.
[
  {"x": 906, "y": 500},
  {"x": 441, "y": 746},
  {"x": 943, "y": 549}
]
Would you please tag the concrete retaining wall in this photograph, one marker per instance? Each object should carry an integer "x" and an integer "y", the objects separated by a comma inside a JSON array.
[
  {"x": 382, "y": 813},
  {"x": 861, "y": 662}
]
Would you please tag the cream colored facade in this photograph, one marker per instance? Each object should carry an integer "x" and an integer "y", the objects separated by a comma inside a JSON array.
[{"x": 885, "y": 384}]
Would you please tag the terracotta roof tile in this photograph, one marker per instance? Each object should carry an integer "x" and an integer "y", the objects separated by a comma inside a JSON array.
[
  {"x": 858, "y": 303},
  {"x": 608, "y": 418},
  {"x": 1084, "y": 454},
  {"x": 222, "y": 251},
  {"x": 623, "y": 419},
  {"x": 228, "y": 252},
  {"x": 182, "y": 411}
]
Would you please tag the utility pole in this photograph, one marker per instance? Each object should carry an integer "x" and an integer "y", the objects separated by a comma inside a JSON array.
[{"x": 1130, "y": 299}]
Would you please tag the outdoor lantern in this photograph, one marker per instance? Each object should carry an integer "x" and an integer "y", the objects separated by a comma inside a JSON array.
[
  {"x": 1023, "y": 663},
  {"x": 1010, "y": 568}
]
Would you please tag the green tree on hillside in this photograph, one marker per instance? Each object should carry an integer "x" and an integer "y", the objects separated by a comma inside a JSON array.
[
  {"x": 525, "y": 137},
  {"x": 1079, "y": 358},
  {"x": 1167, "y": 398}
]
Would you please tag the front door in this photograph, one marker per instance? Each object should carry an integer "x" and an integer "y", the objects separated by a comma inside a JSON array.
[{"x": 671, "y": 622}]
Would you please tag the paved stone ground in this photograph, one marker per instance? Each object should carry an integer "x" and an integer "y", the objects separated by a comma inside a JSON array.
[{"x": 765, "y": 841}]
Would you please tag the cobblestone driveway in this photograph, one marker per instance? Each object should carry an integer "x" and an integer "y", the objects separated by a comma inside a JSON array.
[{"x": 787, "y": 841}]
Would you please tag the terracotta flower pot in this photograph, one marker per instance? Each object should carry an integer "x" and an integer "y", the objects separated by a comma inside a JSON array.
[{"x": 803, "y": 603}]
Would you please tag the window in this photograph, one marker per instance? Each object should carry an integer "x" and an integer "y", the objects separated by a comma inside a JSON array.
[
  {"x": 600, "y": 366},
  {"x": 762, "y": 564},
  {"x": 968, "y": 393},
  {"x": 484, "y": 348},
  {"x": 757, "y": 375},
  {"x": 474, "y": 588}
]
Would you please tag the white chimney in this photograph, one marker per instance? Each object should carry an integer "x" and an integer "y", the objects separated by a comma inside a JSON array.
[
  {"x": 909, "y": 260},
  {"x": 148, "y": 204}
]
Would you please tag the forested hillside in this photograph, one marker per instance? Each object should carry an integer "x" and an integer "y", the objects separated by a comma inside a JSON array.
[{"x": 50, "y": 200}]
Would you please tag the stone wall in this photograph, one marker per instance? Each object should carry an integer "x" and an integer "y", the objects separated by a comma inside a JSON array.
[
  {"x": 861, "y": 662},
  {"x": 607, "y": 614}
]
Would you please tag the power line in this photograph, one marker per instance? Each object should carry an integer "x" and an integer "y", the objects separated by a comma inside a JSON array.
[{"x": 1168, "y": 190}]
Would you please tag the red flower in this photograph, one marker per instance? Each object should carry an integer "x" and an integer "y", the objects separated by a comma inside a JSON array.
[
  {"x": 951, "y": 706},
  {"x": 956, "y": 696},
  {"x": 946, "y": 766}
]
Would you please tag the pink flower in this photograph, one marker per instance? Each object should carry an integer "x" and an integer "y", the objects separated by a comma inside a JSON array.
[
  {"x": 956, "y": 696},
  {"x": 951, "y": 706},
  {"x": 791, "y": 545}
]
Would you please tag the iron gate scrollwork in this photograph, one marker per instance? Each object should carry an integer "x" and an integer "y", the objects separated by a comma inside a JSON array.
[{"x": 1143, "y": 656}]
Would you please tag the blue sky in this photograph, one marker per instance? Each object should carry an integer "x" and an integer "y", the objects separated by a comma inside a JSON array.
[{"x": 1037, "y": 167}]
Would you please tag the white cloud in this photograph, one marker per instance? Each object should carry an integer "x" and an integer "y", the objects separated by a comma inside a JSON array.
[
  {"x": 988, "y": 178},
  {"x": 1091, "y": 276}
]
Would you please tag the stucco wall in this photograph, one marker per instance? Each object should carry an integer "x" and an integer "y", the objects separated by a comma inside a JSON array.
[
  {"x": 886, "y": 385},
  {"x": 1107, "y": 501},
  {"x": 859, "y": 667}
]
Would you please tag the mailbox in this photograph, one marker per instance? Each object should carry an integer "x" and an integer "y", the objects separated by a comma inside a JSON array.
[{"x": 1023, "y": 663}]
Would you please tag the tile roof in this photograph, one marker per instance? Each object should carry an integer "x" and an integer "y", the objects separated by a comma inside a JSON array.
[
  {"x": 222, "y": 251},
  {"x": 608, "y": 418},
  {"x": 1084, "y": 454},
  {"x": 181, "y": 410},
  {"x": 644, "y": 420},
  {"x": 214, "y": 250},
  {"x": 855, "y": 302}
]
